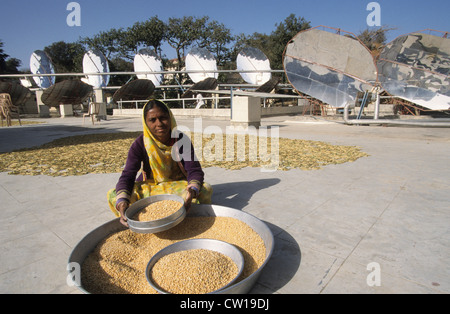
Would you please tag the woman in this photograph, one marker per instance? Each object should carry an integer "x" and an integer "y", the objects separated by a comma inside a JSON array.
[{"x": 151, "y": 154}]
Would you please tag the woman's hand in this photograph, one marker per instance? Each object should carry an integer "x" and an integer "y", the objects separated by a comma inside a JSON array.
[
  {"x": 191, "y": 193},
  {"x": 122, "y": 207}
]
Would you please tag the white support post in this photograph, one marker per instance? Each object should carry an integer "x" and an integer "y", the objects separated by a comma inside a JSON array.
[{"x": 246, "y": 112}]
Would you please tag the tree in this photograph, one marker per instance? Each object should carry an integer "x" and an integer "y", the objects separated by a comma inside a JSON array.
[
  {"x": 281, "y": 36},
  {"x": 119, "y": 65},
  {"x": 12, "y": 66},
  {"x": 66, "y": 57},
  {"x": 256, "y": 40},
  {"x": 119, "y": 46},
  {"x": 3, "y": 57},
  {"x": 8, "y": 65},
  {"x": 182, "y": 33},
  {"x": 112, "y": 43},
  {"x": 374, "y": 39},
  {"x": 216, "y": 37},
  {"x": 150, "y": 33}
]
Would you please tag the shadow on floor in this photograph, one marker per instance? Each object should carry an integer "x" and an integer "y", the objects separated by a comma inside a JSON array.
[
  {"x": 238, "y": 194},
  {"x": 283, "y": 264}
]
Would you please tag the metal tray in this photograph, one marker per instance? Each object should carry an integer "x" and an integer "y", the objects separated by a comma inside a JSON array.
[
  {"x": 208, "y": 244},
  {"x": 91, "y": 240},
  {"x": 159, "y": 225}
]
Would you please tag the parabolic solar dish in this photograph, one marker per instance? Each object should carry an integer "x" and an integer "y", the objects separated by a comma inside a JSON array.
[
  {"x": 269, "y": 86},
  {"x": 252, "y": 59},
  {"x": 329, "y": 67},
  {"x": 416, "y": 67},
  {"x": 26, "y": 82},
  {"x": 40, "y": 63},
  {"x": 95, "y": 62},
  {"x": 19, "y": 94},
  {"x": 68, "y": 92},
  {"x": 209, "y": 83},
  {"x": 135, "y": 90},
  {"x": 200, "y": 59},
  {"x": 146, "y": 60}
]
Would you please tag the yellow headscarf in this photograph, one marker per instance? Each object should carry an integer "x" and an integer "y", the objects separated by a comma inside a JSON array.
[{"x": 164, "y": 168}]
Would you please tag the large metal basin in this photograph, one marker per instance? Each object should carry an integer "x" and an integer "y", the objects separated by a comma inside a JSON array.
[{"x": 90, "y": 241}]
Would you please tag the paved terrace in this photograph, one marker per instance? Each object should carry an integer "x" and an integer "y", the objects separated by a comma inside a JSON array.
[{"x": 391, "y": 208}]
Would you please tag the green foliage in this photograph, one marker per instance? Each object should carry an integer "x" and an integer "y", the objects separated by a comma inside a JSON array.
[
  {"x": 374, "y": 39},
  {"x": 216, "y": 37},
  {"x": 183, "y": 33},
  {"x": 273, "y": 45},
  {"x": 3, "y": 57},
  {"x": 66, "y": 57},
  {"x": 110, "y": 43},
  {"x": 150, "y": 33},
  {"x": 8, "y": 65},
  {"x": 284, "y": 32},
  {"x": 120, "y": 45}
]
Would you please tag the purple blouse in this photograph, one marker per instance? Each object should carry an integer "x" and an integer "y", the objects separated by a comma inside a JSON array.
[{"x": 138, "y": 158}]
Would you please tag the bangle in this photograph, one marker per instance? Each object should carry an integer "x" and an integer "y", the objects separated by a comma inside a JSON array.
[
  {"x": 122, "y": 200},
  {"x": 197, "y": 192}
]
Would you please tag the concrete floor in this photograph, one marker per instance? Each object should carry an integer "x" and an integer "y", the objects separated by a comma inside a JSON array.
[{"x": 331, "y": 226}]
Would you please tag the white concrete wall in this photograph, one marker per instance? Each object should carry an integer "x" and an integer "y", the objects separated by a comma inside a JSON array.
[
  {"x": 279, "y": 111},
  {"x": 219, "y": 114}
]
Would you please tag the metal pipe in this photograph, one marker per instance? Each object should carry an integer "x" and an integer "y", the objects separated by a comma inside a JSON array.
[
  {"x": 231, "y": 103},
  {"x": 445, "y": 123},
  {"x": 133, "y": 73}
]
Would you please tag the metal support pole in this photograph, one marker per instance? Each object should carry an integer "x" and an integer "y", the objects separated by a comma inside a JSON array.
[
  {"x": 377, "y": 107},
  {"x": 345, "y": 112},
  {"x": 231, "y": 102},
  {"x": 442, "y": 123}
]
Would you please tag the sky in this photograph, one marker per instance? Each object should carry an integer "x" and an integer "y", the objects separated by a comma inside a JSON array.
[{"x": 26, "y": 26}]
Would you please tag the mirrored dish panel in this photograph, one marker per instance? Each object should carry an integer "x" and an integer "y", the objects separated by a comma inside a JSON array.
[
  {"x": 95, "y": 62},
  {"x": 416, "y": 67},
  {"x": 252, "y": 59},
  {"x": 68, "y": 92},
  {"x": 200, "y": 59},
  {"x": 135, "y": 90},
  {"x": 269, "y": 86},
  {"x": 329, "y": 67},
  {"x": 146, "y": 60},
  {"x": 209, "y": 83},
  {"x": 40, "y": 63}
]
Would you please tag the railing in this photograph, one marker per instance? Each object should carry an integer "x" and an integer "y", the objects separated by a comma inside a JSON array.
[
  {"x": 133, "y": 73},
  {"x": 183, "y": 100}
]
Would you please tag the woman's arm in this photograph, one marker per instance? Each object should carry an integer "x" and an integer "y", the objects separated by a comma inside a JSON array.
[
  {"x": 195, "y": 178},
  {"x": 193, "y": 170},
  {"x": 126, "y": 182}
]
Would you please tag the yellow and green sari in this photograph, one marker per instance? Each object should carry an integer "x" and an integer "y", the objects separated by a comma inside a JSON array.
[{"x": 167, "y": 175}]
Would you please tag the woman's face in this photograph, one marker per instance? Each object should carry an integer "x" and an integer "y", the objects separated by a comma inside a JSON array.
[{"x": 159, "y": 124}]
